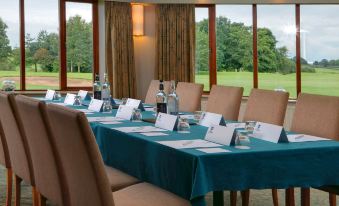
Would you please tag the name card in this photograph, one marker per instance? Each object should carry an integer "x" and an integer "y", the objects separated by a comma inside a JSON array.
[
  {"x": 269, "y": 132},
  {"x": 221, "y": 135},
  {"x": 50, "y": 94},
  {"x": 83, "y": 94},
  {"x": 166, "y": 121},
  {"x": 69, "y": 99},
  {"x": 95, "y": 105},
  {"x": 135, "y": 103},
  {"x": 125, "y": 112},
  {"x": 208, "y": 119}
]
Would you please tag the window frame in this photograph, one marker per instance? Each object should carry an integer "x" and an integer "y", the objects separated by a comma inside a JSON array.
[
  {"x": 62, "y": 44},
  {"x": 212, "y": 53}
]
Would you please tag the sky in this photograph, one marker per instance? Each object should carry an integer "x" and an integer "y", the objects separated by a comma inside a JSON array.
[
  {"x": 39, "y": 15},
  {"x": 319, "y": 23},
  {"x": 319, "y": 26}
]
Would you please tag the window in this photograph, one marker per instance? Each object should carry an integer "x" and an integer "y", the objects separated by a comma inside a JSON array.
[
  {"x": 33, "y": 46},
  {"x": 202, "y": 47},
  {"x": 320, "y": 49},
  {"x": 234, "y": 46},
  {"x": 277, "y": 48},
  {"x": 9, "y": 42},
  {"x": 79, "y": 44},
  {"x": 41, "y": 44}
]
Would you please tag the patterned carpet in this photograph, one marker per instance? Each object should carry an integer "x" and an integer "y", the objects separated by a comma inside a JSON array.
[{"x": 257, "y": 198}]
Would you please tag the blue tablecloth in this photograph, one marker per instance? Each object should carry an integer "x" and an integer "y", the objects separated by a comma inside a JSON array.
[{"x": 191, "y": 174}]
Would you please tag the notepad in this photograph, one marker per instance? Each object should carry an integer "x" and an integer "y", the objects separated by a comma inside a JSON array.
[
  {"x": 85, "y": 110},
  {"x": 110, "y": 122},
  {"x": 143, "y": 129},
  {"x": 154, "y": 134},
  {"x": 185, "y": 144},
  {"x": 214, "y": 150},
  {"x": 103, "y": 119},
  {"x": 304, "y": 138}
]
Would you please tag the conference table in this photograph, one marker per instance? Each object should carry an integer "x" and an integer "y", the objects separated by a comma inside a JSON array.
[{"x": 191, "y": 173}]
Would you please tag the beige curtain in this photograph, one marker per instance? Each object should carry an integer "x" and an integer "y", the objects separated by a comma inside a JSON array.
[
  {"x": 175, "y": 42},
  {"x": 119, "y": 49}
]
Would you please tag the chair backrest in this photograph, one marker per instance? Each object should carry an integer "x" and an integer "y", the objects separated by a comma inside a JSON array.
[
  {"x": 189, "y": 96},
  {"x": 16, "y": 140},
  {"x": 266, "y": 106},
  {"x": 225, "y": 100},
  {"x": 317, "y": 115},
  {"x": 45, "y": 162},
  {"x": 4, "y": 155},
  {"x": 153, "y": 90},
  {"x": 86, "y": 179}
]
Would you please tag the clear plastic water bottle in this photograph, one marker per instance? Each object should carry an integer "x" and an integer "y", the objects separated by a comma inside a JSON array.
[
  {"x": 173, "y": 101},
  {"x": 161, "y": 99},
  {"x": 97, "y": 89}
]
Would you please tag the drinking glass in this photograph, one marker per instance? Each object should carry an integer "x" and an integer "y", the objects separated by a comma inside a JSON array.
[
  {"x": 124, "y": 101},
  {"x": 107, "y": 106},
  {"x": 197, "y": 115},
  {"x": 57, "y": 96},
  {"x": 183, "y": 125},
  {"x": 136, "y": 115},
  {"x": 241, "y": 138},
  {"x": 249, "y": 126},
  {"x": 77, "y": 100}
]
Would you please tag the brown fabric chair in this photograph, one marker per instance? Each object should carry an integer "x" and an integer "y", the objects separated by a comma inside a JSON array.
[
  {"x": 5, "y": 161},
  {"x": 17, "y": 145},
  {"x": 266, "y": 106},
  {"x": 317, "y": 115},
  {"x": 189, "y": 96},
  {"x": 269, "y": 107},
  {"x": 226, "y": 101},
  {"x": 153, "y": 90},
  {"x": 85, "y": 174},
  {"x": 46, "y": 163}
]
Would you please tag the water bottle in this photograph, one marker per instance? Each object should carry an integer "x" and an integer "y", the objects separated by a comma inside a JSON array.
[
  {"x": 97, "y": 88},
  {"x": 161, "y": 99},
  {"x": 173, "y": 101}
]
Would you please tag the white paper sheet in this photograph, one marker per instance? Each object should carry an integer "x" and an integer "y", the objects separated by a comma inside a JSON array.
[
  {"x": 187, "y": 116},
  {"x": 185, "y": 144},
  {"x": 236, "y": 125},
  {"x": 103, "y": 119},
  {"x": 154, "y": 134},
  {"x": 214, "y": 150},
  {"x": 85, "y": 110},
  {"x": 149, "y": 109},
  {"x": 142, "y": 129},
  {"x": 111, "y": 122},
  {"x": 61, "y": 104},
  {"x": 304, "y": 138}
]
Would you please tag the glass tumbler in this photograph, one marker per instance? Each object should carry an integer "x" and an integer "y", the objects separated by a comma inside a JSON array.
[
  {"x": 107, "y": 106},
  {"x": 183, "y": 125},
  {"x": 136, "y": 115},
  {"x": 77, "y": 100}
]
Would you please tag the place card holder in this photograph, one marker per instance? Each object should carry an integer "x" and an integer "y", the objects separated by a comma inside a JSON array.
[
  {"x": 125, "y": 112},
  {"x": 167, "y": 122},
  {"x": 270, "y": 132},
  {"x": 50, "y": 94},
  {"x": 221, "y": 135},
  {"x": 69, "y": 99},
  {"x": 208, "y": 119},
  {"x": 84, "y": 95},
  {"x": 135, "y": 103},
  {"x": 95, "y": 105}
]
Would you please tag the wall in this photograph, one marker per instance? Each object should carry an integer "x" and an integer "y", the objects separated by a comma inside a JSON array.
[{"x": 144, "y": 51}]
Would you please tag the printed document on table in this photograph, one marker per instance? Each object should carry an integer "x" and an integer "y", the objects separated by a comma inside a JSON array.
[
  {"x": 214, "y": 150},
  {"x": 185, "y": 144},
  {"x": 154, "y": 134},
  {"x": 142, "y": 129},
  {"x": 85, "y": 110},
  {"x": 304, "y": 138},
  {"x": 103, "y": 119}
]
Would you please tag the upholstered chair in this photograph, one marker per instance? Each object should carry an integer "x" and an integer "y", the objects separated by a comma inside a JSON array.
[
  {"x": 225, "y": 100},
  {"x": 17, "y": 146},
  {"x": 189, "y": 96},
  {"x": 86, "y": 178},
  {"x": 153, "y": 90},
  {"x": 317, "y": 115},
  {"x": 5, "y": 162},
  {"x": 269, "y": 107}
]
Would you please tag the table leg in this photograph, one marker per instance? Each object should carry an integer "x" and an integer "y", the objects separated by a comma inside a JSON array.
[{"x": 218, "y": 198}]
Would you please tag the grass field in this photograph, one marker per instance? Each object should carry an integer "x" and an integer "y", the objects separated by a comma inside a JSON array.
[{"x": 324, "y": 81}]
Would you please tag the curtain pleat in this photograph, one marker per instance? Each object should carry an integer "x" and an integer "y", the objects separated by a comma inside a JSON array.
[
  {"x": 176, "y": 42},
  {"x": 120, "y": 64}
]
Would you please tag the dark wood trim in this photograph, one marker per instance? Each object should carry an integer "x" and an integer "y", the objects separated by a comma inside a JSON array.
[
  {"x": 62, "y": 39},
  {"x": 255, "y": 46},
  {"x": 95, "y": 20},
  {"x": 22, "y": 46},
  {"x": 298, "y": 61},
  {"x": 79, "y": 88},
  {"x": 212, "y": 46}
]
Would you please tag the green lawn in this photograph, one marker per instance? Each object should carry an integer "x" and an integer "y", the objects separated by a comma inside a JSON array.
[{"x": 324, "y": 81}]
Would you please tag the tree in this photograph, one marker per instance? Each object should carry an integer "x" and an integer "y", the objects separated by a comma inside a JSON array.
[
  {"x": 267, "y": 52},
  {"x": 79, "y": 44},
  {"x": 43, "y": 57},
  {"x": 202, "y": 50},
  {"x": 5, "y": 48}
]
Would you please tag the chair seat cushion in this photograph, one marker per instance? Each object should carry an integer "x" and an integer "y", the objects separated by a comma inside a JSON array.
[
  {"x": 118, "y": 179},
  {"x": 145, "y": 194}
]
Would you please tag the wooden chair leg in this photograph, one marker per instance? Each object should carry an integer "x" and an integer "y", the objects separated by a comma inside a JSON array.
[
  {"x": 245, "y": 197},
  {"x": 333, "y": 199},
  {"x": 9, "y": 187},
  {"x": 42, "y": 200},
  {"x": 233, "y": 198},
  {"x": 17, "y": 182},
  {"x": 289, "y": 197},
  {"x": 275, "y": 197},
  {"x": 305, "y": 196},
  {"x": 35, "y": 197}
]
